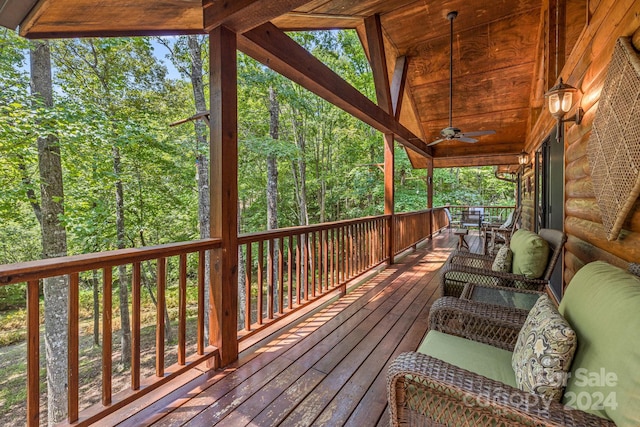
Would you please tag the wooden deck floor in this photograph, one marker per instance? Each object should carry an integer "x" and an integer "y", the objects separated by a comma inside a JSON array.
[{"x": 328, "y": 370}]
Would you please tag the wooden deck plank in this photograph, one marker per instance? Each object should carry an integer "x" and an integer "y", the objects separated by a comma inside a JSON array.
[
  {"x": 328, "y": 369},
  {"x": 318, "y": 325},
  {"x": 233, "y": 399},
  {"x": 341, "y": 367}
]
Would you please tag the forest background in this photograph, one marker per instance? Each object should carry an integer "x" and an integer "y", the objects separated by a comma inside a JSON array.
[
  {"x": 131, "y": 180},
  {"x": 117, "y": 92}
]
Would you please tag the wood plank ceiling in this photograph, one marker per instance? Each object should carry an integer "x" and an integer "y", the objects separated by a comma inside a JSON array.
[{"x": 496, "y": 44}]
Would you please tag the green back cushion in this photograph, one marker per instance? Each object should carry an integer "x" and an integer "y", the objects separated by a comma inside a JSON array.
[
  {"x": 602, "y": 305},
  {"x": 530, "y": 254},
  {"x": 483, "y": 359}
]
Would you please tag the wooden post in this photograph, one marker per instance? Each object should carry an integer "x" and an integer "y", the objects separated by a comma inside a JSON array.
[
  {"x": 430, "y": 194},
  {"x": 389, "y": 193},
  {"x": 223, "y": 304}
]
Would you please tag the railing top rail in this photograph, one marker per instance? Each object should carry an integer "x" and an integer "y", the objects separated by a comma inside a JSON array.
[
  {"x": 40, "y": 269},
  {"x": 482, "y": 206},
  {"x": 421, "y": 212},
  {"x": 302, "y": 229}
]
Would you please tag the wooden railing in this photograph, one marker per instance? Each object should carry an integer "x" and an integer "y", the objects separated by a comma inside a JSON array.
[
  {"x": 412, "y": 227},
  {"x": 73, "y": 266},
  {"x": 289, "y": 268},
  {"x": 284, "y": 270}
]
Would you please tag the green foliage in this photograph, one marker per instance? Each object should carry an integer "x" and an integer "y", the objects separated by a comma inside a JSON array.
[{"x": 114, "y": 93}]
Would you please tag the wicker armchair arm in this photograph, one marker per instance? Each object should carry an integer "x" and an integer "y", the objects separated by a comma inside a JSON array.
[
  {"x": 453, "y": 277},
  {"x": 486, "y": 323},
  {"x": 423, "y": 390},
  {"x": 470, "y": 259}
]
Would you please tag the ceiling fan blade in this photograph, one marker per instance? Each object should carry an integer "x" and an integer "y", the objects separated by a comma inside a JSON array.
[
  {"x": 437, "y": 141},
  {"x": 478, "y": 133},
  {"x": 465, "y": 139}
]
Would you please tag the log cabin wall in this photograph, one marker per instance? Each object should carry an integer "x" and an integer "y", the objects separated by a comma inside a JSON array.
[{"x": 585, "y": 67}]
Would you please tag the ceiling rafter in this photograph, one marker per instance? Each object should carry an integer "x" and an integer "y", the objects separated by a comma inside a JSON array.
[
  {"x": 378, "y": 61},
  {"x": 398, "y": 82},
  {"x": 243, "y": 15}
]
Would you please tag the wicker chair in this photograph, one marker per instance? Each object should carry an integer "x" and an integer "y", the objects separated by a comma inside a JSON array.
[
  {"x": 495, "y": 234},
  {"x": 464, "y": 267},
  {"x": 423, "y": 390}
]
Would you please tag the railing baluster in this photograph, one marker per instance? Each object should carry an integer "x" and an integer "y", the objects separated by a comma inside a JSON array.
[
  {"x": 325, "y": 258},
  {"x": 260, "y": 280},
  {"x": 343, "y": 255},
  {"x": 313, "y": 264},
  {"x": 298, "y": 268},
  {"x": 332, "y": 283},
  {"x": 306, "y": 266},
  {"x": 73, "y": 349},
  {"x": 270, "y": 278},
  {"x": 247, "y": 288},
  {"x": 106, "y": 335},
  {"x": 182, "y": 310},
  {"x": 201, "y": 303},
  {"x": 135, "y": 326},
  {"x": 281, "y": 276},
  {"x": 290, "y": 271},
  {"x": 33, "y": 354},
  {"x": 161, "y": 285}
]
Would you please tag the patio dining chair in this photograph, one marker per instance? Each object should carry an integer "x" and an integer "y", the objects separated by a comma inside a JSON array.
[
  {"x": 500, "y": 234},
  {"x": 531, "y": 268}
]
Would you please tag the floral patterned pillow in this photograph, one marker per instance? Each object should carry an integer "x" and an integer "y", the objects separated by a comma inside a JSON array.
[
  {"x": 502, "y": 261},
  {"x": 544, "y": 350}
]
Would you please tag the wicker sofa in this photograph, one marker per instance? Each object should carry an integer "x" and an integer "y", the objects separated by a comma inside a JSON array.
[
  {"x": 458, "y": 377},
  {"x": 464, "y": 267}
]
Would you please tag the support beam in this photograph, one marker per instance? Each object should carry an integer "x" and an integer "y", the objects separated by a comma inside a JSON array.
[
  {"x": 378, "y": 61},
  {"x": 430, "y": 184},
  {"x": 272, "y": 47},
  {"x": 242, "y": 15},
  {"x": 389, "y": 193},
  {"x": 430, "y": 194},
  {"x": 223, "y": 317},
  {"x": 397, "y": 84}
]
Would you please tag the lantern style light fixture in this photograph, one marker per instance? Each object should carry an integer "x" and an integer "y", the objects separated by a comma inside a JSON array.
[
  {"x": 560, "y": 102},
  {"x": 523, "y": 160}
]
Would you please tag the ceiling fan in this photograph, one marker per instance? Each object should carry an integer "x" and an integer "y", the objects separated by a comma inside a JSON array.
[{"x": 453, "y": 133}]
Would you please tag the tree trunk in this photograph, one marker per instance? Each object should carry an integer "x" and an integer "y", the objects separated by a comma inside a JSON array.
[
  {"x": 242, "y": 266},
  {"x": 148, "y": 283},
  {"x": 125, "y": 326},
  {"x": 202, "y": 164},
  {"x": 299, "y": 169},
  {"x": 301, "y": 193},
  {"x": 54, "y": 243},
  {"x": 272, "y": 186}
]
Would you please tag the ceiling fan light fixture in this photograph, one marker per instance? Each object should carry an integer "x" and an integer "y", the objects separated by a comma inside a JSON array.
[{"x": 452, "y": 133}]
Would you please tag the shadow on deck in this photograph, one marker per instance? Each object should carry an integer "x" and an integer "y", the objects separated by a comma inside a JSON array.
[{"x": 327, "y": 369}]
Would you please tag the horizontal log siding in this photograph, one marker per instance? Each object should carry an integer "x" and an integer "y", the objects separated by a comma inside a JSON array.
[{"x": 586, "y": 69}]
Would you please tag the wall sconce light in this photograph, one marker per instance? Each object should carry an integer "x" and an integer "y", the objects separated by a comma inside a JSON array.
[
  {"x": 523, "y": 161},
  {"x": 560, "y": 102}
]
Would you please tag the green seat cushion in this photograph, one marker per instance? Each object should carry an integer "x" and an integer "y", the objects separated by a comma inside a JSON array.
[
  {"x": 483, "y": 359},
  {"x": 530, "y": 254},
  {"x": 544, "y": 350},
  {"x": 602, "y": 305}
]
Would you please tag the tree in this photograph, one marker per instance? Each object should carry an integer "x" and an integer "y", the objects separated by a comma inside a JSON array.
[
  {"x": 54, "y": 241},
  {"x": 272, "y": 185}
]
